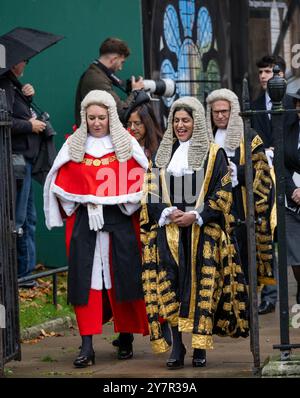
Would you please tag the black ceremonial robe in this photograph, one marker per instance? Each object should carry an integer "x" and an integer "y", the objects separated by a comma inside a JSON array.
[
  {"x": 192, "y": 276},
  {"x": 264, "y": 206}
]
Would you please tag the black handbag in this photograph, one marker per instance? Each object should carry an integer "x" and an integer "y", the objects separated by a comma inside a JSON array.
[{"x": 19, "y": 166}]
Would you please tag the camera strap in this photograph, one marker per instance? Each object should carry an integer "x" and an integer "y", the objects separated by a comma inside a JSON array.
[{"x": 109, "y": 73}]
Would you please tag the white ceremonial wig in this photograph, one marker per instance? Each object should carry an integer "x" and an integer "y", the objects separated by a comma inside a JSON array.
[
  {"x": 121, "y": 139},
  {"x": 235, "y": 125},
  {"x": 199, "y": 145}
]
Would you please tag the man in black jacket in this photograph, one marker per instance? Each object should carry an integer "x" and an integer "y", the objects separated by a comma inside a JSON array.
[
  {"x": 100, "y": 75},
  {"x": 262, "y": 124},
  {"x": 25, "y": 131}
]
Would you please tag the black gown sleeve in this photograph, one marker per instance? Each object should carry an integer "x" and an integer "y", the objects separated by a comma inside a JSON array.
[{"x": 219, "y": 195}]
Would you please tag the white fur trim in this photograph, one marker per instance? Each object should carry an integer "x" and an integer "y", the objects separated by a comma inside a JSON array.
[
  {"x": 97, "y": 200},
  {"x": 139, "y": 154},
  {"x": 51, "y": 205}
]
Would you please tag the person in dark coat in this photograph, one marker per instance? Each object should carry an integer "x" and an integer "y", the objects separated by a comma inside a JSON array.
[
  {"x": 261, "y": 123},
  {"x": 26, "y": 137},
  {"x": 292, "y": 189},
  {"x": 100, "y": 75},
  {"x": 98, "y": 175}
]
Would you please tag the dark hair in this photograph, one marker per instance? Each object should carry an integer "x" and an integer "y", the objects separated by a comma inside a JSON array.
[
  {"x": 271, "y": 60},
  {"x": 153, "y": 130},
  {"x": 113, "y": 45}
]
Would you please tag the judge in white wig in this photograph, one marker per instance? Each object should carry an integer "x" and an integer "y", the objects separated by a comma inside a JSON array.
[
  {"x": 226, "y": 128},
  {"x": 96, "y": 182},
  {"x": 186, "y": 233}
]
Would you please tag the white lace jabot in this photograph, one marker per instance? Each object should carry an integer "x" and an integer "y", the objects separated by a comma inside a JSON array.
[
  {"x": 178, "y": 165},
  {"x": 98, "y": 146}
]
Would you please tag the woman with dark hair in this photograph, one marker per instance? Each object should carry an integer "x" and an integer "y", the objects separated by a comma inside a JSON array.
[
  {"x": 143, "y": 125},
  {"x": 145, "y": 128},
  {"x": 191, "y": 271}
]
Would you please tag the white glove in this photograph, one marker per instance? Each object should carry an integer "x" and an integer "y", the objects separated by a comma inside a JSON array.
[
  {"x": 164, "y": 217},
  {"x": 95, "y": 213},
  {"x": 234, "y": 179},
  {"x": 270, "y": 156}
]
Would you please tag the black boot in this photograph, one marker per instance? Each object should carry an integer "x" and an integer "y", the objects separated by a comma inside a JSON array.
[
  {"x": 199, "y": 358},
  {"x": 166, "y": 332},
  {"x": 86, "y": 356},
  {"x": 125, "y": 350},
  {"x": 116, "y": 342},
  {"x": 176, "y": 360}
]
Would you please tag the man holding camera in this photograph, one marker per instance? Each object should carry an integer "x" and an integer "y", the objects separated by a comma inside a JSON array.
[
  {"x": 26, "y": 129},
  {"x": 100, "y": 75}
]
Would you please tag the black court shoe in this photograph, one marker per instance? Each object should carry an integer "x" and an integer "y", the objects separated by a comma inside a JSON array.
[
  {"x": 199, "y": 358},
  {"x": 82, "y": 361},
  {"x": 125, "y": 349},
  {"x": 116, "y": 342},
  {"x": 174, "y": 363}
]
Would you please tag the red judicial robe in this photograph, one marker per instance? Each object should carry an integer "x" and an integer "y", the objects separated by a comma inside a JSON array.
[{"x": 104, "y": 180}]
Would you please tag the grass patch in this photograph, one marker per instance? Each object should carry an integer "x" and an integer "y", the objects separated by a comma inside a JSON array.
[
  {"x": 8, "y": 372},
  {"x": 47, "y": 358},
  {"x": 36, "y": 304}
]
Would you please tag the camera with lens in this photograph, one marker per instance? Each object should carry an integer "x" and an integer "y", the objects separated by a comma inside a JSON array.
[
  {"x": 161, "y": 87},
  {"x": 49, "y": 130}
]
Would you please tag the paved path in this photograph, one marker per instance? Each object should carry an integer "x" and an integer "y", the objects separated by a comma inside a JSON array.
[{"x": 53, "y": 356}]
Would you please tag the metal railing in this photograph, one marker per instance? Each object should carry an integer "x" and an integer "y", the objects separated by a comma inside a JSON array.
[
  {"x": 9, "y": 330},
  {"x": 44, "y": 274}
]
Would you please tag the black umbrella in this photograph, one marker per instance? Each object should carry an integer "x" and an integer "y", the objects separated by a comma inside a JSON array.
[{"x": 23, "y": 43}]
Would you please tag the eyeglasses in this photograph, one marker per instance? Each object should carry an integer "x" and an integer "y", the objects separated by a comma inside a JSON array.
[
  {"x": 138, "y": 123},
  {"x": 224, "y": 112}
]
